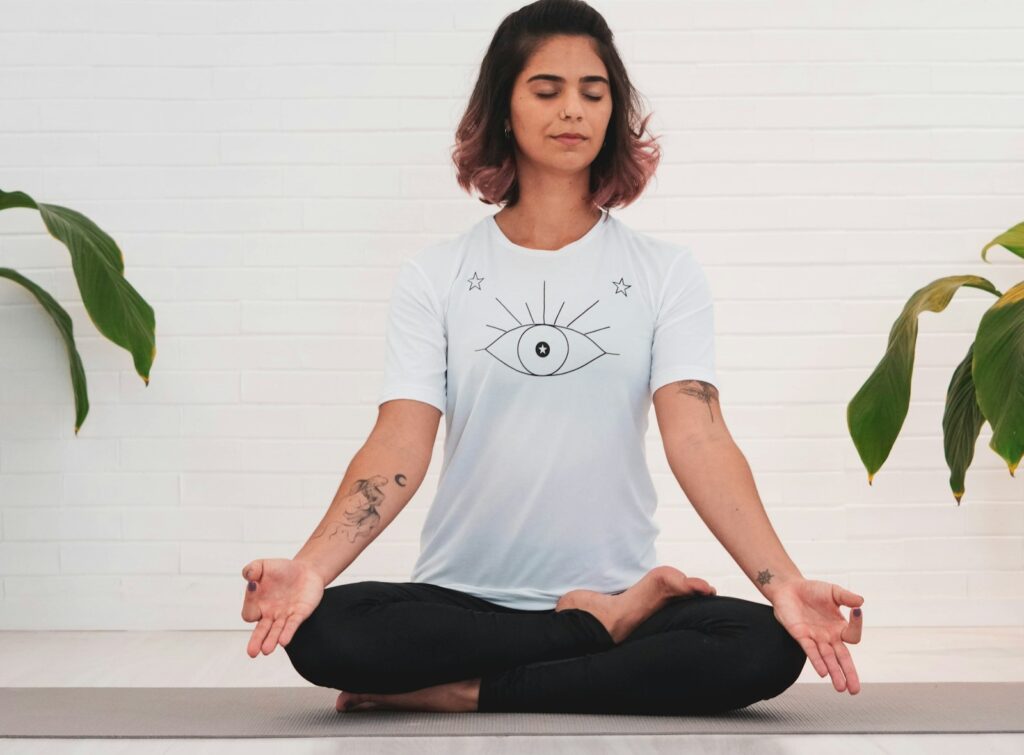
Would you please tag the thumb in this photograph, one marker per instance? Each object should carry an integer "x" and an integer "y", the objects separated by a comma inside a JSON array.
[
  {"x": 253, "y": 570},
  {"x": 855, "y": 628}
]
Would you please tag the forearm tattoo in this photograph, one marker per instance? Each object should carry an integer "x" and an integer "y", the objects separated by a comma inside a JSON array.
[
  {"x": 700, "y": 390},
  {"x": 361, "y": 504},
  {"x": 764, "y": 577}
]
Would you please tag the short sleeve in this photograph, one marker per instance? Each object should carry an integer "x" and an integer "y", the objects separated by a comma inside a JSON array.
[
  {"x": 416, "y": 352},
  {"x": 683, "y": 346}
]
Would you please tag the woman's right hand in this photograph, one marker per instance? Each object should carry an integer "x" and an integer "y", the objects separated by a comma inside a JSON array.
[{"x": 280, "y": 595}]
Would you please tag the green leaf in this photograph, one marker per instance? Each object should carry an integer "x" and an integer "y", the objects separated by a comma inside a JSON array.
[
  {"x": 999, "y": 374},
  {"x": 64, "y": 325},
  {"x": 961, "y": 424},
  {"x": 115, "y": 307},
  {"x": 1012, "y": 240},
  {"x": 876, "y": 412}
]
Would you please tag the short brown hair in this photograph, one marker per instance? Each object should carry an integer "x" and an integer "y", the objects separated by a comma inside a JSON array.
[{"x": 485, "y": 159}]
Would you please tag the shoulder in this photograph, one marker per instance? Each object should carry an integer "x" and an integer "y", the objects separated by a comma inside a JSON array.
[
  {"x": 661, "y": 254},
  {"x": 434, "y": 266},
  {"x": 440, "y": 257}
]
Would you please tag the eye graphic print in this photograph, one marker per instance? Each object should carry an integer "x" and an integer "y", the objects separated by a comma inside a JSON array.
[{"x": 544, "y": 349}]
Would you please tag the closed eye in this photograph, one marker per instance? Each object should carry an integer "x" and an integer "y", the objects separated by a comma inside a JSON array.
[{"x": 549, "y": 96}]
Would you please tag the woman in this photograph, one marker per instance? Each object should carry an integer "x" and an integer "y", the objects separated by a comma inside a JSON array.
[{"x": 536, "y": 587}]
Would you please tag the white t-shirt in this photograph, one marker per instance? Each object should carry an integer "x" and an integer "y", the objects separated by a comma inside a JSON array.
[{"x": 544, "y": 364}]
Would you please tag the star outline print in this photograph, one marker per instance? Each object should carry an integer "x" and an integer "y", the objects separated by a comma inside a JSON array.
[
  {"x": 621, "y": 282},
  {"x": 475, "y": 282}
]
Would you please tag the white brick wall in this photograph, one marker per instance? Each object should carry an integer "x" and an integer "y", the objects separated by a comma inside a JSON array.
[{"x": 265, "y": 166}]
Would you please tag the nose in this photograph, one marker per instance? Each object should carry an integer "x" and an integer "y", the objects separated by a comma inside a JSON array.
[{"x": 572, "y": 107}]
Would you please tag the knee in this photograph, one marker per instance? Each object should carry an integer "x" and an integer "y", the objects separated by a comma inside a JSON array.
[
  {"x": 769, "y": 659},
  {"x": 336, "y": 656},
  {"x": 308, "y": 651},
  {"x": 334, "y": 646},
  {"x": 787, "y": 658}
]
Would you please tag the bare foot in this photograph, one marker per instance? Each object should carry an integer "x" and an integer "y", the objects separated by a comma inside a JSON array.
[
  {"x": 621, "y": 614},
  {"x": 456, "y": 697}
]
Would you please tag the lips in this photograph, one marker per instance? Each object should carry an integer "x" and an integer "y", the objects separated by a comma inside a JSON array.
[{"x": 567, "y": 139}]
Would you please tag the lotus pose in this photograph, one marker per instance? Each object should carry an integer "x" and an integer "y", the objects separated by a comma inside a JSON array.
[{"x": 544, "y": 333}]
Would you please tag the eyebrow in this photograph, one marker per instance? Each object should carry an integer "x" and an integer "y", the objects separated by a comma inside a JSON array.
[{"x": 561, "y": 80}]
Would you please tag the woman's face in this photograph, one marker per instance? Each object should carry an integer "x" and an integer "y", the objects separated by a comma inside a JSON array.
[{"x": 562, "y": 89}]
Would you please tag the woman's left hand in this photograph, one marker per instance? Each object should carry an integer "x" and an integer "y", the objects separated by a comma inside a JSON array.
[{"x": 809, "y": 610}]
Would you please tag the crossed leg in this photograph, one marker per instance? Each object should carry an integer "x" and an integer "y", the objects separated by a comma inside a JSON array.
[
  {"x": 380, "y": 640},
  {"x": 388, "y": 638},
  {"x": 698, "y": 654}
]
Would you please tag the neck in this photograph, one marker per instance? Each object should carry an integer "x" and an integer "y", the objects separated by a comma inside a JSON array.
[{"x": 553, "y": 210}]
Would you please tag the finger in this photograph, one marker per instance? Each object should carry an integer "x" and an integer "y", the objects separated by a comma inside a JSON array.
[
  {"x": 815, "y": 657},
  {"x": 275, "y": 631},
  {"x": 838, "y": 677},
  {"x": 253, "y": 570},
  {"x": 257, "y": 636},
  {"x": 701, "y": 584},
  {"x": 849, "y": 671},
  {"x": 250, "y": 607},
  {"x": 290, "y": 626},
  {"x": 853, "y": 631}
]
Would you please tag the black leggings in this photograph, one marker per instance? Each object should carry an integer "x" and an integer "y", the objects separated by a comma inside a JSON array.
[{"x": 697, "y": 654}]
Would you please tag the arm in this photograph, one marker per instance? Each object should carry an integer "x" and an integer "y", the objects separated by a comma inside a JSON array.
[
  {"x": 380, "y": 480},
  {"x": 716, "y": 478}
]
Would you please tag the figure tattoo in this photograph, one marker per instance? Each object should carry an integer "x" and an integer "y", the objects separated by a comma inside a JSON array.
[
  {"x": 361, "y": 508},
  {"x": 764, "y": 577},
  {"x": 699, "y": 390}
]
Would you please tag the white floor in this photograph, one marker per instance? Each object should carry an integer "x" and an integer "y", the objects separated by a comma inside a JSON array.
[{"x": 200, "y": 659}]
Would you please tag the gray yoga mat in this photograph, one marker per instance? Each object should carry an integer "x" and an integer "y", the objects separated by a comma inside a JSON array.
[{"x": 240, "y": 712}]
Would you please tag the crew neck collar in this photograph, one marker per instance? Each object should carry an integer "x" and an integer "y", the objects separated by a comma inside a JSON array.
[{"x": 595, "y": 232}]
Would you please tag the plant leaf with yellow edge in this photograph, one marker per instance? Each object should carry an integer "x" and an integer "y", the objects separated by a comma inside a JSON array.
[
  {"x": 875, "y": 414},
  {"x": 999, "y": 374},
  {"x": 961, "y": 424},
  {"x": 1012, "y": 240}
]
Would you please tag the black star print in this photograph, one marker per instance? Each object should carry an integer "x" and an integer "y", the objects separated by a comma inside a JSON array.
[
  {"x": 621, "y": 286},
  {"x": 474, "y": 282}
]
